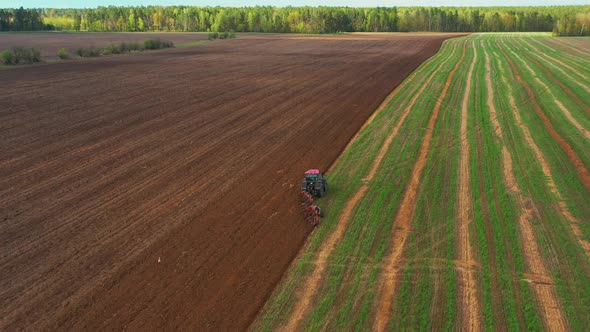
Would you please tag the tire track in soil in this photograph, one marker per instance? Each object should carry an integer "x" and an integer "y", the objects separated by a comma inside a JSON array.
[
  {"x": 312, "y": 282},
  {"x": 573, "y": 221},
  {"x": 583, "y": 173},
  {"x": 401, "y": 224},
  {"x": 538, "y": 277},
  {"x": 469, "y": 305}
]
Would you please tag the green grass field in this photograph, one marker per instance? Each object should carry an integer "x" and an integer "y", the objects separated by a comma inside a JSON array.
[{"x": 432, "y": 225}]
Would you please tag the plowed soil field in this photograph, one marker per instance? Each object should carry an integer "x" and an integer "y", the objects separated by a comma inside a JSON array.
[
  {"x": 49, "y": 43},
  {"x": 159, "y": 190}
]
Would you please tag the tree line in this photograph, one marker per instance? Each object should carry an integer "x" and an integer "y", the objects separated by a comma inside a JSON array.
[
  {"x": 22, "y": 20},
  {"x": 562, "y": 20}
]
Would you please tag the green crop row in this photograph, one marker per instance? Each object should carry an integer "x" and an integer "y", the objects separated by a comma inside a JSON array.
[
  {"x": 426, "y": 295},
  {"x": 562, "y": 254},
  {"x": 375, "y": 213},
  {"x": 559, "y": 48},
  {"x": 507, "y": 302},
  {"x": 549, "y": 99},
  {"x": 572, "y": 75}
]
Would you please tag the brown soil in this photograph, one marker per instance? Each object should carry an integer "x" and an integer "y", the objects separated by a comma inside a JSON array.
[
  {"x": 570, "y": 44},
  {"x": 545, "y": 292},
  {"x": 401, "y": 224},
  {"x": 583, "y": 44},
  {"x": 469, "y": 305},
  {"x": 49, "y": 43},
  {"x": 384, "y": 104},
  {"x": 159, "y": 190}
]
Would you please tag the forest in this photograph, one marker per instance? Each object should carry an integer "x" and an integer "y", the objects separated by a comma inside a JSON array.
[{"x": 561, "y": 20}]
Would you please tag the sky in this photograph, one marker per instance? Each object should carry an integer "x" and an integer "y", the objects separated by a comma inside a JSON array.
[{"x": 282, "y": 3}]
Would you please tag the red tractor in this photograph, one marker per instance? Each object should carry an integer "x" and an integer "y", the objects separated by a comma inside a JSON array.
[{"x": 314, "y": 184}]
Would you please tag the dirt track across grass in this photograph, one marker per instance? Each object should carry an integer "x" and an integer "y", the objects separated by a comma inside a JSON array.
[
  {"x": 160, "y": 190},
  {"x": 403, "y": 218}
]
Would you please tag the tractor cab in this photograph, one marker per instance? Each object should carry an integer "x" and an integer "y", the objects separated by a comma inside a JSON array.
[
  {"x": 314, "y": 183},
  {"x": 313, "y": 175}
]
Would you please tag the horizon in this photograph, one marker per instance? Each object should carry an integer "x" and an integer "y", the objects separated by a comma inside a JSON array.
[{"x": 78, "y": 4}]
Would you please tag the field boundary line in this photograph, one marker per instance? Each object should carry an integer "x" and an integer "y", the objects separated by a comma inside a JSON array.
[
  {"x": 469, "y": 306},
  {"x": 401, "y": 224},
  {"x": 542, "y": 284},
  {"x": 311, "y": 282},
  {"x": 380, "y": 109}
]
